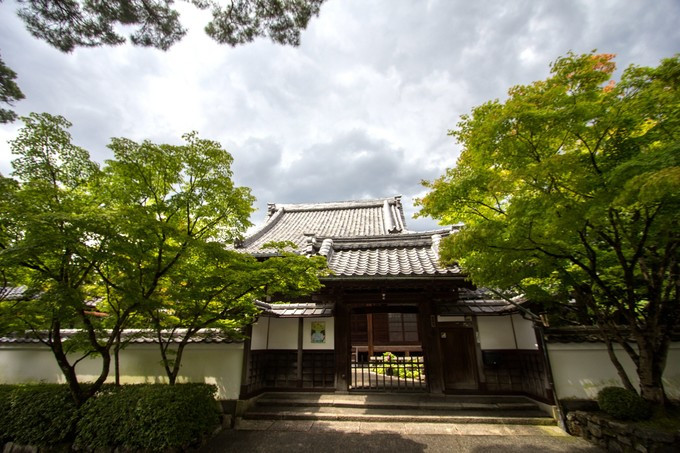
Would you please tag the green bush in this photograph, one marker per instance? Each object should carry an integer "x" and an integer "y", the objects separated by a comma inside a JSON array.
[
  {"x": 392, "y": 365},
  {"x": 107, "y": 419},
  {"x": 135, "y": 417},
  {"x": 623, "y": 404},
  {"x": 5, "y": 405},
  {"x": 41, "y": 414},
  {"x": 148, "y": 417}
]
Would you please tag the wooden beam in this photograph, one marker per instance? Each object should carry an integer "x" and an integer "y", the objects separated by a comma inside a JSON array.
[
  {"x": 301, "y": 324},
  {"x": 245, "y": 369},
  {"x": 431, "y": 347},
  {"x": 369, "y": 328},
  {"x": 342, "y": 346}
]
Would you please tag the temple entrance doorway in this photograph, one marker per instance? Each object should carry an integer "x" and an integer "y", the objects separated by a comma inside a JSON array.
[{"x": 386, "y": 349}]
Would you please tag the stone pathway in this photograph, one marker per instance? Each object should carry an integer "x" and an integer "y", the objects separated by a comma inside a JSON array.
[
  {"x": 345, "y": 437},
  {"x": 465, "y": 429}
]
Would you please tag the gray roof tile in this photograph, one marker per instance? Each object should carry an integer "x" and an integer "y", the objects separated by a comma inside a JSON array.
[
  {"x": 589, "y": 334},
  {"x": 290, "y": 222},
  {"x": 303, "y": 310},
  {"x": 14, "y": 293},
  {"x": 407, "y": 254},
  {"x": 137, "y": 336},
  {"x": 358, "y": 238},
  {"x": 476, "y": 302}
]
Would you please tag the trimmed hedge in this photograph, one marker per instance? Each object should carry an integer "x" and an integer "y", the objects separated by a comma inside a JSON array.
[
  {"x": 623, "y": 404},
  {"x": 149, "y": 417},
  {"x": 5, "y": 406},
  {"x": 41, "y": 414}
]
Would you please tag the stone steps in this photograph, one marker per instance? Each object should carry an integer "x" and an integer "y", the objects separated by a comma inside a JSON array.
[{"x": 397, "y": 409}]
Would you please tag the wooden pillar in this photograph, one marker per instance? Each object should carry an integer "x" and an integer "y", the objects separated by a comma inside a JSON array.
[
  {"x": 342, "y": 346},
  {"x": 301, "y": 324},
  {"x": 431, "y": 346},
  {"x": 479, "y": 356},
  {"x": 369, "y": 328},
  {"x": 245, "y": 369}
]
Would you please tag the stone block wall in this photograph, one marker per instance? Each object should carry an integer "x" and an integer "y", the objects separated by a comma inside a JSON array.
[{"x": 617, "y": 436}]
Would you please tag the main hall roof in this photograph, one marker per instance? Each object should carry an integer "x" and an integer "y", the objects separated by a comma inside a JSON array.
[{"x": 365, "y": 238}]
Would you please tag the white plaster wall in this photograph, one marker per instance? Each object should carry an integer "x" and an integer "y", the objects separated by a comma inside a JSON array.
[
  {"x": 447, "y": 318},
  {"x": 259, "y": 336},
  {"x": 29, "y": 364},
  {"x": 580, "y": 370},
  {"x": 307, "y": 334},
  {"x": 524, "y": 333},
  {"x": 218, "y": 364},
  {"x": 506, "y": 332},
  {"x": 283, "y": 333},
  {"x": 495, "y": 332}
]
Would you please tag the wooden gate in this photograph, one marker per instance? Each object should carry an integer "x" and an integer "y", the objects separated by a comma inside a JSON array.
[
  {"x": 388, "y": 373},
  {"x": 386, "y": 350}
]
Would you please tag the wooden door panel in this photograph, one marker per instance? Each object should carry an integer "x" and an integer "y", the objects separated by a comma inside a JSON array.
[{"x": 459, "y": 357}]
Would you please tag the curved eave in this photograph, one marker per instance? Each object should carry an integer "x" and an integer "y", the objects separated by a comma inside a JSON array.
[{"x": 337, "y": 278}]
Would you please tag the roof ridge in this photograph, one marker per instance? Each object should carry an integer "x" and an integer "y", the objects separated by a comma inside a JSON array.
[
  {"x": 259, "y": 232},
  {"x": 349, "y": 204},
  {"x": 403, "y": 236}
]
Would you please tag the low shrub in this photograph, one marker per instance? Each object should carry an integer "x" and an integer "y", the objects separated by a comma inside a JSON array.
[
  {"x": 107, "y": 419},
  {"x": 5, "y": 419},
  {"x": 392, "y": 365},
  {"x": 40, "y": 414},
  {"x": 623, "y": 404},
  {"x": 148, "y": 417}
]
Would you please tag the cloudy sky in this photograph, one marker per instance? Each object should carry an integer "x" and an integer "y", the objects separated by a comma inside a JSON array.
[{"x": 361, "y": 109}]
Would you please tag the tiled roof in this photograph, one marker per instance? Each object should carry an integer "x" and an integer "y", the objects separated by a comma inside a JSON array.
[
  {"x": 309, "y": 310},
  {"x": 136, "y": 336},
  {"x": 589, "y": 334},
  {"x": 408, "y": 254},
  {"x": 475, "y": 302},
  {"x": 359, "y": 238},
  {"x": 295, "y": 222},
  {"x": 14, "y": 293}
]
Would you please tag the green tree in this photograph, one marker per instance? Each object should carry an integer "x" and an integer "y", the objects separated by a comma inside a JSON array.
[
  {"x": 67, "y": 24},
  {"x": 169, "y": 203},
  {"x": 569, "y": 191},
  {"x": 52, "y": 234},
  {"x": 176, "y": 207},
  {"x": 213, "y": 293},
  {"x": 141, "y": 243}
]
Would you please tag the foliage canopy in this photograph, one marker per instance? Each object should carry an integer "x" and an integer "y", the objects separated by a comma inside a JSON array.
[
  {"x": 142, "y": 242},
  {"x": 9, "y": 92},
  {"x": 569, "y": 191},
  {"x": 67, "y": 24}
]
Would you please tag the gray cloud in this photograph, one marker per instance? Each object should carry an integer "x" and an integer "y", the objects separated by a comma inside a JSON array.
[{"x": 361, "y": 109}]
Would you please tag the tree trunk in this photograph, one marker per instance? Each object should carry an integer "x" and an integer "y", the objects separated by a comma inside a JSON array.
[
  {"x": 70, "y": 375},
  {"x": 116, "y": 358},
  {"x": 650, "y": 369},
  {"x": 79, "y": 395},
  {"x": 617, "y": 364},
  {"x": 65, "y": 366},
  {"x": 172, "y": 376}
]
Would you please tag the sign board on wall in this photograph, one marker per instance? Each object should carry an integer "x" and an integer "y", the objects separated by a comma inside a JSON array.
[{"x": 318, "y": 332}]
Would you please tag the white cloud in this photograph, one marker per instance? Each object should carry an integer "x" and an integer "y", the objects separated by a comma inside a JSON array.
[{"x": 361, "y": 109}]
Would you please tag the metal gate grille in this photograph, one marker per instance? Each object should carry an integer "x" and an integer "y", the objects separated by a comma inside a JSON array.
[{"x": 389, "y": 373}]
